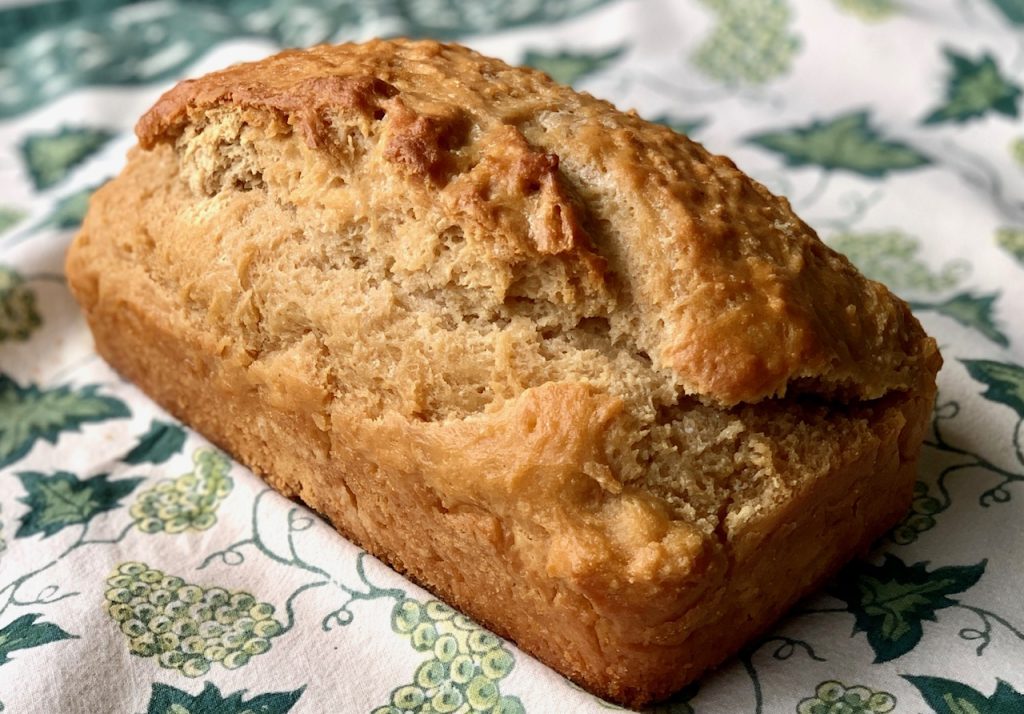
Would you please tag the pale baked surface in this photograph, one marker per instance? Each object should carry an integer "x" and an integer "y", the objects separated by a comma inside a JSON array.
[{"x": 488, "y": 325}]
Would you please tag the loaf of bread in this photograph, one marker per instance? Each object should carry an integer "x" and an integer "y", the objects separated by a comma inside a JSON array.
[{"x": 585, "y": 381}]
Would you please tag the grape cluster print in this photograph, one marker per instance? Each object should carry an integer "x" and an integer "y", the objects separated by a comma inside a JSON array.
[
  {"x": 186, "y": 502},
  {"x": 869, "y": 10},
  {"x": 18, "y": 313},
  {"x": 921, "y": 517},
  {"x": 835, "y": 698},
  {"x": 752, "y": 43},
  {"x": 464, "y": 667},
  {"x": 186, "y": 627},
  {"x": 894, "y": 258},
  {"x": 1017, "y": 150}
]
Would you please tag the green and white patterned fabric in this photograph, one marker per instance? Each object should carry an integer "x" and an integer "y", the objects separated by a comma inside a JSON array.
[{"x": 143, "y": 571}]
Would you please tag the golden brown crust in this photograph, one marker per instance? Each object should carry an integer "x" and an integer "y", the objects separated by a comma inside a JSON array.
[
  {"x": 732, "y": 292},
  {"x": 461, "y": 311}
]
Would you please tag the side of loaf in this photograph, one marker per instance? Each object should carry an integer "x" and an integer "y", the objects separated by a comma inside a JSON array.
[{"x": 587, "y": 382}]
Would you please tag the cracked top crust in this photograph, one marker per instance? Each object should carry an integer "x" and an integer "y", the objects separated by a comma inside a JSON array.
[{"x": 697, "y": 267}]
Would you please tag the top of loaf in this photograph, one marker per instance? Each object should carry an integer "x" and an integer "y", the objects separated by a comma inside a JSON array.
[{"x": 561, "y": 200}]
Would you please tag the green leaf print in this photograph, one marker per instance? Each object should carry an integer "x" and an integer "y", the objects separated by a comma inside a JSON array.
[
  {"x": 946, "y": 696},
  {"x": 889, "y": 601},
  {"x": 464, "y": 667},
  {"x": 161, "y": 442},
  {"x": 63, "y": 44},
  {"x": 891, "y": 257},
  {"x": 188, "y": 502},
  {"x": 680, "y": 126},
  {"x": 29, "y": 413},
  {"x": 452, "y": 18},
  {"x": 1004, "y": 382},
  {"x": 847, "y": 142},
  {"x": 836, "y": 697},
  {"x": 752, "y": 42},
  {"x": 18, "y": 314},
  {"x": 61, "y": 500},
  {"x": 974, "y": 89},
  {"x": 70, "y": 210},
  {"x": 869, "y": 10},
  {"x": 187, "y": 627},
  {"x": 25, "y": 633},
  {"x": 1012, "y": 241},
  {"x": 971, "y": 311},
  {"x": 570, "y": 67},
  {"x": 166, "y": 699},
  {"x": 9, "y": 217},
  {"x": 1013, "y": 10},
  {"x": 50, "y": 157},
  {"x": 109, "y": 45}
]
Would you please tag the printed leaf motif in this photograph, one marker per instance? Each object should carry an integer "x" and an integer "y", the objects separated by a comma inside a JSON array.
[
  {"x": 9, "y": 217},
  {"x": 974, "y": 89},
  {"x": 61, "y": 500},
  {"x": 869, "y": 10},
  {"x": 188, "y": 502},
  {"x": 847, "y": 142},
  {"x": 454, "y": 18},
  {"x": 58, "y": 56},
  {"x": 70, "y": 210},
  {"x": 18, "y": 314},
  {"x": 51, "y": 50},
  {"x": 835, "y": 696},
  {"x": 187, "y": 627},
  {"x": 570, "y": 67},
  {"x": 946, "y": 696},
  {"x": 890, "y": 601},
  {"x": 30, "y": 413},
  {"x": 1013, "y": 10},
  {"x": 166, "y": 699},
  {"x": 973, "y": 311},
  {"x": 1012, "y": 241},
  {"x": 1004, "y": 382},
  {"x": 25, "y": 633},
  {"x": 680, "y": 126},
  {"x": 465, "y": 663},
  {"x": 161, "y": 442},
  {"x": 50, "y": 157},
  {"x": 752, "y": 43}
]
